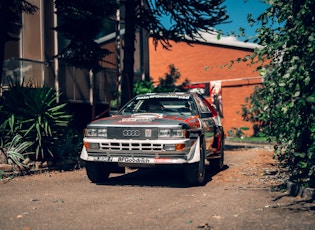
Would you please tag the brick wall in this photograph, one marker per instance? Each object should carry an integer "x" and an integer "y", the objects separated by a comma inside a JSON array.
[
  {"x": 201, "y": 62},
  {"x": 233, "y": 97}
]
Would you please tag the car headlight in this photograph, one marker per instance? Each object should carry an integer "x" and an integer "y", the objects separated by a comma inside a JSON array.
[
  {"x": 96, "y": 132},
  {"x": 179, "y": 133},
  {"x": 164, "y": 133},
  {"x": 102, "y": 132}
]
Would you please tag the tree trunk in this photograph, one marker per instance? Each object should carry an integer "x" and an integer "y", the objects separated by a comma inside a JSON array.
[{"x": 129, "y": 50}]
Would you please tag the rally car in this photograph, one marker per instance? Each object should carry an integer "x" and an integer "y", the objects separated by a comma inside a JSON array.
[{"x": 155, "y": 129}]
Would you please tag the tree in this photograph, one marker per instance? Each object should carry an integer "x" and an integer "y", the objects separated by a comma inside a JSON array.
[
  {"x": 286, "y": 99},
  {"x": 189, "y": 18},
  {"x": 81, "y": 22},
  {"x": 10, "y": 23},
  {"x": 167, "y": 84}
]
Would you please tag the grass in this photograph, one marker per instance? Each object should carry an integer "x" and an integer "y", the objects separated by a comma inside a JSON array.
[{"x": 249, "y": 139}]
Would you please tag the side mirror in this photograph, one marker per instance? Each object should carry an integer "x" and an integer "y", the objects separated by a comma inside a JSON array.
[{"x": 205, "y": 114}]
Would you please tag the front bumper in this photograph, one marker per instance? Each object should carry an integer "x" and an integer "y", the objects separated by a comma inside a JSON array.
[{"x": 144, "y": 152}]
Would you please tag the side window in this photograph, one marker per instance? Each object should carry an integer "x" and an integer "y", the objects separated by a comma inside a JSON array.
[
  {"x": 201, "y": 105},
  {"x": 192, "y": 106}
]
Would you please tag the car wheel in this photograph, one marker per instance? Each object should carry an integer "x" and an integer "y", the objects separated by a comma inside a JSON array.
[
  {"x": 218, "y": 163},
  {"x": 97, "y": 171},
  {"x": 195, "y": 172}
]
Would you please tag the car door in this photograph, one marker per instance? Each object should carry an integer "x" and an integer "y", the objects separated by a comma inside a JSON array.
[{"x": 208, "y": 125}]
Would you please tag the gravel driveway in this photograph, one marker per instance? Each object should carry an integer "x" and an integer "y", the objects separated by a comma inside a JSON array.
[{"x": 242, "y": 196}]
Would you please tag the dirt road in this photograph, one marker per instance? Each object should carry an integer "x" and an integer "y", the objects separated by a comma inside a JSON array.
[{"x": 239, "y": 197}]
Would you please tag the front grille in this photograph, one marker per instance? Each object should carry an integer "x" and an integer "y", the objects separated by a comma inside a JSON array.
[
  {"x": 127, "y": 146},
  {"x": 140, "y": 154},
  {"x": 132, "y": 133},
  {"x": 119, "y": 148}
]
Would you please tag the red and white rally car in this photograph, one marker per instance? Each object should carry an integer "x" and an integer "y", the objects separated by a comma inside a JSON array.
[{"x": 156, "y": 129}]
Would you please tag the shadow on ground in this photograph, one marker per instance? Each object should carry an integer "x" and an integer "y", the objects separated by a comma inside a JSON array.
[{"x": 156, "y": 177}]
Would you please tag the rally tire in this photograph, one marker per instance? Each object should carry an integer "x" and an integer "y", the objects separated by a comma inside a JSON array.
[
  {"x": 195, "y": 172},
  {"x": 97, "y": 171},
  {"x": 217, "y": 164}
]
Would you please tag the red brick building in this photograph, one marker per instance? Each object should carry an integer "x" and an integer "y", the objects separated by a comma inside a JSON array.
[{"x": 207, "y": 63}]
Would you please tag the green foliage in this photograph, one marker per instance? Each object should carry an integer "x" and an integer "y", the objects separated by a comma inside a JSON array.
[
  {"x": 237, "y": 132},
  {"x": 34, "y": 114},
  {"x": 69, "y": 144},
  {"x": 113, "y": 104},
  {"x": 168, "y": 83},
  {"x": 251, "y": 111},
  {"x": 141, "y": 87},
  {"x": 286, "y": 100},
  {"x": 16, "y": 149}
]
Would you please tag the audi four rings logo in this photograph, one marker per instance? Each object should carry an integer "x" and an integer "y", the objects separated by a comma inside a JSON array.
[{"x": 131, "y": 133}]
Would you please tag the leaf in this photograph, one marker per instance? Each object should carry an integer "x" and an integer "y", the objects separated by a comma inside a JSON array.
[
  {"x": 311, "y": 99},
  {"x": 301, "y": 155},
  {"x": 302, "y": 164},
  {"x": 297, "y": 94}
]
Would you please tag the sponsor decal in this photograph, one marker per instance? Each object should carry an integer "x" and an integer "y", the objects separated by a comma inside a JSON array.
[
  {"x": 162, "y": 160},
  {"x": 137, "y": 119},
  {"x": 140, "y": 160},
  {"x": 130, "y": 122},
  {"x": 163, "y": 96},
  {"x": 103, "y": 158}
]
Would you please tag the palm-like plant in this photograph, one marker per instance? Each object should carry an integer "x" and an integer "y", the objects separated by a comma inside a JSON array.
[
  {"x": 35, "y": 114},
  {"x": 15, "y": 149}
]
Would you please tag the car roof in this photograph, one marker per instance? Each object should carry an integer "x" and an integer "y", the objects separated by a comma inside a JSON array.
[{"x": 182, "y": 95}]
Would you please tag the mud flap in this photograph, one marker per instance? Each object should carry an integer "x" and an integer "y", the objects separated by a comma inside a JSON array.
[{"x": 195, "y": 152}]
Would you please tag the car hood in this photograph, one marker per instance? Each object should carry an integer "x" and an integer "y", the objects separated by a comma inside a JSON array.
[{"x": 147, "y": 119}]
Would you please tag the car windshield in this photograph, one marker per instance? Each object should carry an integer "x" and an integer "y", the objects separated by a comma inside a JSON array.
[{"x": 158, "y": 105}]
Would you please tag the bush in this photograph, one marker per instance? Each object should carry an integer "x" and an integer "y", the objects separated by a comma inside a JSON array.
[
  {"x": 15, "y": 150},
  {"x": 237, "y": 132},
  {"x": 34, "y": 114},
  {"x": 286, "y": 100}
]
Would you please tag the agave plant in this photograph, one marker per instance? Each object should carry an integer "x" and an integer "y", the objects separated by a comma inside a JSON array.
[
  {"x": 16, "y": 149},
  {"x": 35, "y": 114}
]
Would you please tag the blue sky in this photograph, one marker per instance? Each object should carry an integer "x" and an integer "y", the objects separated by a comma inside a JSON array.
[{"x": 238, "y": 11}]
